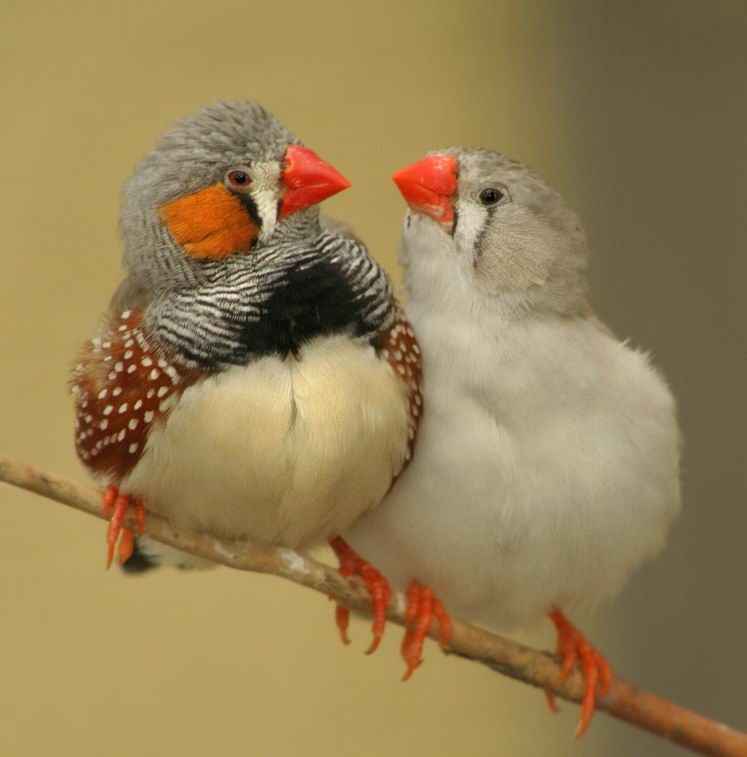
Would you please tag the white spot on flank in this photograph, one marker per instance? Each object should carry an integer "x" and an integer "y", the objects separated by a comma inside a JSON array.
[
  {"x": 111, "y": 375},
  {"x": 106, "y": 344},
  {"x": 130, "y": 368},
  {"x": 146, "y": 362},
  {"x": 103, "y": 393},
  {"x": 154, "y": 374},
  {"x": 165, "y": 405},
  {"x": 121, "y": 435},
  {"x": 132, "y": 425},
  {"x": 108, "y": 409},
  {"x": 122, "y": 408},
  {"x": 116, "y": 391},
  {"x": 148, "y": 417},
  {"x": 162, "y": 391},
  {"x": 123, "y": 327},
  {"x": 138, "y": 405},
  {"x": 133, "y": 447},
  {"x": 104, "y": 424},
  {"x": 119, "y": 366},
  {"x": 126, "y": 314},
  {"x": 129, "y": 353},
  {"x": 151, "y": 393}
]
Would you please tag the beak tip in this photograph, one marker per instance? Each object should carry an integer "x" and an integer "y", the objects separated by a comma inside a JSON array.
[
  {"x": 429, "y": 185},
  {"x": 308, "y": 180}
]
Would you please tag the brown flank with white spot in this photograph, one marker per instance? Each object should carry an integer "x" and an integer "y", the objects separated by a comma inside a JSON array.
[
  {"x": 400, "y": 349},
  {"x": 122, "y": 386}
]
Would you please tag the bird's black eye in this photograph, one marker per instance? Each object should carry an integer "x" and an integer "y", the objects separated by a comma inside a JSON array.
[
  {"x": 238, "y": 178},
  {"x": 491, "y": 195}
]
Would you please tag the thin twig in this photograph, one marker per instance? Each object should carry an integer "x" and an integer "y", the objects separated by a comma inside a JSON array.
[{"x": 623, "y": 700}]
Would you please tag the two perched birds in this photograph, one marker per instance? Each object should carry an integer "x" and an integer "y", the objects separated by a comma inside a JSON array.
[{"x": 255, "y": 378}]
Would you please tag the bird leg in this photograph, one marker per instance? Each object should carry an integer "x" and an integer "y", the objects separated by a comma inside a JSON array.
[
  {"x": 115, "y": 508},
  {"x": 572, "y": 647},
  {"x": 422, "y": 607},
  {"x": 378, "y": 587}
]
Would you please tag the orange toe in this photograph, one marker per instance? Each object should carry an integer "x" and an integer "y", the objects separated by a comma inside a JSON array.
[
  {"x": 378, "y": 587},
  {"x": 116, "y": 505},
  {"x": 572, "y": 648},
  {"x": 422, "y": 608}
]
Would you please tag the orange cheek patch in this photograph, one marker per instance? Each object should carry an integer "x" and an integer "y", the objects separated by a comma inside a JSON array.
[{"x": 211, "y": 223}]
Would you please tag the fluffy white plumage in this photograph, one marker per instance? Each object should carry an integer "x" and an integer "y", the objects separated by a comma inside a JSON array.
[{"x": 546, "y": 467}]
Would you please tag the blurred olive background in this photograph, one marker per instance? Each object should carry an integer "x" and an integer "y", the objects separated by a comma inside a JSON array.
[{"x": 634, "y": 110}]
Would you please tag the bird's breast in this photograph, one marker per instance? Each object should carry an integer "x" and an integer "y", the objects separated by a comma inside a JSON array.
[{"x": 288, "y": 450}]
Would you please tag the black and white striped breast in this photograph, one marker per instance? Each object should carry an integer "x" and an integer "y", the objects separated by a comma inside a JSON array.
[{"x": 275, "y": 300}]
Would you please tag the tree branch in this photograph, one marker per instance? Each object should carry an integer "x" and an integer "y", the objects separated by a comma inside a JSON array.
[{"x": 624, "y": 700}]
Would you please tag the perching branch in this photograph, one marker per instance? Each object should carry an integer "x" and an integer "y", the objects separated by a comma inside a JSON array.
[{"x": 623, "y": 700}]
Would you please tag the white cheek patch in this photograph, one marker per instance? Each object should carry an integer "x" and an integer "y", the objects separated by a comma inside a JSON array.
[
  {"x": 471, "y": 220},
  {"x": 264, "y": 192}
]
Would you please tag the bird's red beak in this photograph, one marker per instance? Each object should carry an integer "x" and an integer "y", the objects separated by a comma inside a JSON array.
[
  {"x": 429, "y": 185},
  {"x": 308, "y": 180}
]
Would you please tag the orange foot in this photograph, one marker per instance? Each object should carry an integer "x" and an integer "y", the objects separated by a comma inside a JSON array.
[
  {"x": 115, "y": 505},
  {"x": 573, "y": 647},
  {"x": 422, "y": 607},
  {"x": 378, "y": 587}
]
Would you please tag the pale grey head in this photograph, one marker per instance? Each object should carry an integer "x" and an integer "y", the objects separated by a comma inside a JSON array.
[{"x": 499, "y": 226}]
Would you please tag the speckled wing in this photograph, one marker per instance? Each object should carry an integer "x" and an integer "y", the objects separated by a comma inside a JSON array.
[
  {"x": 399, "y": 347},
  {"x": 123, "y": 385}
]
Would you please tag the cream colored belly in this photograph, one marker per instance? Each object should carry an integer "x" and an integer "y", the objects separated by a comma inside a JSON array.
[{"x": 288, "y": 451}]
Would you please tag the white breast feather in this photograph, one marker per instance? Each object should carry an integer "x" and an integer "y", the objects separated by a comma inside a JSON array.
[
  {"x": 546, "y": 469},
  {"x": 283, "y": 451}
]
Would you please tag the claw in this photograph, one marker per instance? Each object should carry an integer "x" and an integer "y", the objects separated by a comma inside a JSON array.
[
  {"x": 115, "y": 505},
  {"x": 342, "y": 620},
  {"x": 422, "y": 607},
  {"x": 573, "y": 647},
  {"x": 378, "y": 587}
]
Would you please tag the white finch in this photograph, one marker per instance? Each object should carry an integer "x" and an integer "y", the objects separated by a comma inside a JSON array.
[{"x": 547, "y": 461}]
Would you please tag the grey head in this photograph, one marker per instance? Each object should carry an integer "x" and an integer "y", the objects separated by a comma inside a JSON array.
[
  {"x": 212, "y": 188},
  {"x": 227, "y": 258},
  {"x": 497, "y": 227}
]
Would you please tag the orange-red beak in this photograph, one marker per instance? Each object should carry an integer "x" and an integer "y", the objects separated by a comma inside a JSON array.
[
  {"x": 429, "y": 185},
  {"x": 308, "y": 180}
]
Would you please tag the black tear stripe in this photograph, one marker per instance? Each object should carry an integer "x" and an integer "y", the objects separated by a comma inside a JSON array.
[
  {"x": 251, "y": 208},
  {"x": 314, "y": 300},
  {"x": 273, "y": 300}
]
